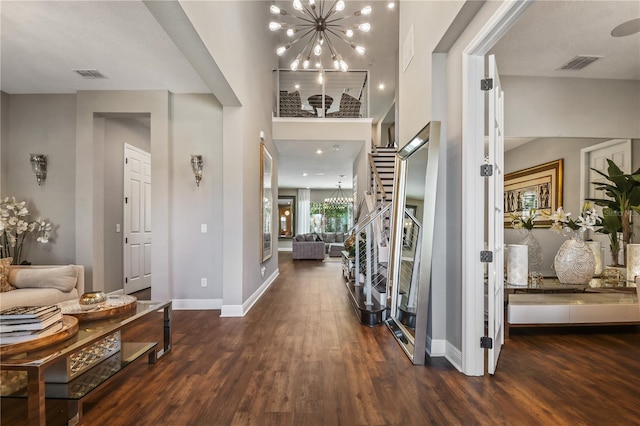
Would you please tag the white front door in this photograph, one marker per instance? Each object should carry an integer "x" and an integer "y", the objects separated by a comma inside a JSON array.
[
  {"x": 495, "y": 217},
  {"x": 137, "y": 219}
]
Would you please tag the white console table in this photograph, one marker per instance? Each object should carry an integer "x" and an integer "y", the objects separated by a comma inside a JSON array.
[{"x": 564, "y": 309}]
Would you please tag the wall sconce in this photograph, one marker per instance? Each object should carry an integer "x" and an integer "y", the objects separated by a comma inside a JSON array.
[
  {"x": 196, "y": 165},
  {"x": 39, "y": 166}
]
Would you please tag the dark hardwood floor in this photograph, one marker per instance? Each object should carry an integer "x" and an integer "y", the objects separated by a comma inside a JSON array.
[{"x": 300, "y": 357}]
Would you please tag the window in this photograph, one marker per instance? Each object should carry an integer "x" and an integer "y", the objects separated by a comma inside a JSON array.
[{"x": 330, "y": 218}]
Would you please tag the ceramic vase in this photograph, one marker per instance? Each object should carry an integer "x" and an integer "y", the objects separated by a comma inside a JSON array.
[
  {"x": 574, "y": 263},
  {"x": 534, "y": 250}
]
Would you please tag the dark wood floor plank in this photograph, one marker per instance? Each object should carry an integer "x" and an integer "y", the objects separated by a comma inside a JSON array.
[{"x": 300, "y": 357}]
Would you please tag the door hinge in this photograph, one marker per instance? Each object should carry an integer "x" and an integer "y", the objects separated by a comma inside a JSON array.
[
  {"x": 486, "y": 342},
  {"x": 486, "y": 256},
  {"x": 126, "y": 240},
  {"x": 126, "y": 280},
  {"x": 486, "y": 170},
  {"x": 486, "y": 84},
  {"x": 126, "y": 200},
  {"x": 126, "y": 161}
]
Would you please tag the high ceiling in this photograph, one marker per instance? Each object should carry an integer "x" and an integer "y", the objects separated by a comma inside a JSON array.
[{"x": 42, "y": 42}]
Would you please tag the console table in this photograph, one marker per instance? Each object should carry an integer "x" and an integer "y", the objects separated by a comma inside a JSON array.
[
  {"x": 554, "y": 304},
  {"x": 39, "y": 364}
]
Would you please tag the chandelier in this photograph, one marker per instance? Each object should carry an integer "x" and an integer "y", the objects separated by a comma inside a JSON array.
[
  {"x": 321, "y": 27},
  {"x": 338, "y": 198}
]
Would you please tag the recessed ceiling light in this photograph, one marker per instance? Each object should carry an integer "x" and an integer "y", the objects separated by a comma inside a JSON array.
[
  {"x": 319, "y": 174},
  {"x": 319, "y": 151},
  {"x": 381, "y": 86},
  {"x": 297, "y": 86},
  {"x": 305, "y": 174},
  {"x": 391, "y": 4},
  {"x": 336, "y": 148}
]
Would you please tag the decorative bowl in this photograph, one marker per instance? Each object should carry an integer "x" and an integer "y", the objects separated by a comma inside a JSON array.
[{"x": 92, "y": 299}]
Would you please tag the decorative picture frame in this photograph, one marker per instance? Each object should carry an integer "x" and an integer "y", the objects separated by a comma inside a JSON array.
[
  {"x": 266, "y": 195},
  {"x": 537, "y": 187}
]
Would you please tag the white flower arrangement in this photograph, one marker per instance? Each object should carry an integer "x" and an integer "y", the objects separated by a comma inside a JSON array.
[
  {"x": 15, "y": 227},
  {"x": 563, "y": 224}
]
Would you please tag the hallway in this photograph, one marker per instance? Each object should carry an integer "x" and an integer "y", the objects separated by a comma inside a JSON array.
[{"x": 300, "y": 358}]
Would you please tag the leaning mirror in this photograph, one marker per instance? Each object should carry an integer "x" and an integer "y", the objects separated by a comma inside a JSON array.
[
  {"x": 266, "y": 195},
  {"x": 412, "y": 240}
]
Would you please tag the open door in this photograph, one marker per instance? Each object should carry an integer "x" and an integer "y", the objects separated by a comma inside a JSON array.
[
  {"x": 137, "y": 219},
  {"x": 495, "y": 216}
]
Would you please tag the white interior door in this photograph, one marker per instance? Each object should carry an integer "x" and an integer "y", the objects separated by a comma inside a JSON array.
[
  {"x": 137, "y": 219},
  {"x": 495, "y": 210},
  {"x": 595, "y": 157}
]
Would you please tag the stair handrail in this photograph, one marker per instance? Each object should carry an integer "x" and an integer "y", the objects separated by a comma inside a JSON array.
[
  {"x": 373, "y": 242},
  {"x": 377, "y": 181}
]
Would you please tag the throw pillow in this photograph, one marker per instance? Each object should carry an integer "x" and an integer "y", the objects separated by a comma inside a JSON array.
[
  {"x": 309, "y": 237},
  {"x": 299, "y": 237},
  {"x": 4, "y": 275},
  {"x": 339, "y": 237},
  {"x": 330, "y": 237},
  {"x": 62, "y": 278}
]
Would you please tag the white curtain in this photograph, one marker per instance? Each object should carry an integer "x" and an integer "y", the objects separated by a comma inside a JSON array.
[{"x": 304, "y": 211}]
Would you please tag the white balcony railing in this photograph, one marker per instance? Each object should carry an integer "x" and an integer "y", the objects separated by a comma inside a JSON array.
[{"x": 337, "y": 94}]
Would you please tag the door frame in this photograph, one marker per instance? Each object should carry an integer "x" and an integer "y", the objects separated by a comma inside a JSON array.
[{"x": 473, "y": 225}]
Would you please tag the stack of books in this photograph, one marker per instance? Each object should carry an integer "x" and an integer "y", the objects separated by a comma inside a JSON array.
[{"x": 22, "y": 323}]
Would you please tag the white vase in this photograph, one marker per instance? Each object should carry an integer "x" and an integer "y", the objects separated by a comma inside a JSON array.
[
  {"x": 535, "y": 250},
  {"x": 574, "y": 263}
]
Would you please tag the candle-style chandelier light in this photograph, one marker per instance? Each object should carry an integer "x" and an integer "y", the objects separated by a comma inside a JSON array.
[
  {"x": 338, "y": 198},
  {"x": 321, "y": 26}
]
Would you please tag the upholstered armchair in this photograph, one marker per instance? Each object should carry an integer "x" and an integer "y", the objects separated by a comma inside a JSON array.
[
  {"x": 291, "y": 105},
  {"x": 349, "y": 108}
]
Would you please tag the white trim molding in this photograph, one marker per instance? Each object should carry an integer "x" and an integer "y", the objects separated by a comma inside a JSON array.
[
  {"x": 454, "y": 356},
  {"x": 241, "y": 310},
  {"x": 196, "y": 304},
  {"x": 471, "y": 360},
  {"x": 436, "y": 347}
]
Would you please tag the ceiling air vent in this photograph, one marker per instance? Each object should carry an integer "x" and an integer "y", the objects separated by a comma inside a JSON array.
[
  {"x": 579, "y": 62},
  {"x": 91, "y": 74}
]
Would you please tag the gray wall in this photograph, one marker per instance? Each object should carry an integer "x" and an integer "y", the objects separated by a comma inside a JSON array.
[
  {"x": 196, "y": 129},
  {"x": 42, "y": 124}
]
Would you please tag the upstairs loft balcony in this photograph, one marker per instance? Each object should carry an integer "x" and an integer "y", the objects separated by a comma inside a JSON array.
[{"x": 321, "y": 94}]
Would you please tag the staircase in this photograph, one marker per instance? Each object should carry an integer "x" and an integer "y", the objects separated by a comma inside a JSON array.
[{"x": 382, "y": 162}]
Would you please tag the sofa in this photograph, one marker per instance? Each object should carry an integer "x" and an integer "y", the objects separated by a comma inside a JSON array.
[
  {"x": 40, "y": 285},
  {"x": 316, "y": 246},
  {"x": 334, "y": 243},
  {"x": 307, "y": 247}
]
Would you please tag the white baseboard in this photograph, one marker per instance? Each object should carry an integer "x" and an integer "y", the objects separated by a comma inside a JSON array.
[
  {"x": 436, "y": 347},
  {"x": 241, "y": 310},
  {"x": 285, "y": 248},
  {"x": 454, "y": 356},
  {"x": 196, "y": 304}
]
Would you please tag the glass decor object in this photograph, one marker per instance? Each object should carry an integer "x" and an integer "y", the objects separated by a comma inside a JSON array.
[
  {"x": 574, "y": 263},
  {"x": 534, "y": 250},
  {"x": 517, "y": 264},
  {"x": 39, "y": 166},
  {"x": 633, "y": 262},
  {"x": 596, "y": 248}
]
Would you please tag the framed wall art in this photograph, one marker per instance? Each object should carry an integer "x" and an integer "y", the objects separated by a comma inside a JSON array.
[{"x": 538, "y": 187}]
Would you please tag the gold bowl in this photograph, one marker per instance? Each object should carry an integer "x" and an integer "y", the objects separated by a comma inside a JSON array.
[{"x": 92, "y": 299}]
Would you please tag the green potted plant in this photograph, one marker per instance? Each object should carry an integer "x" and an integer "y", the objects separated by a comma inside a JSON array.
[{"x": 623, "y": 192}]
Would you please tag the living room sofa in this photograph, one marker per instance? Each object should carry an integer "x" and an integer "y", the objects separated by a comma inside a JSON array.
[
  {"x": 307, "y": 246},
  {"x": 334, "y": 243},
  {"x": 42, "y": 285}
]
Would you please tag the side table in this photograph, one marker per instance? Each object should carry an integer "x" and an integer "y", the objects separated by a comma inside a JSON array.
[{"x": 348, "y": 266}]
